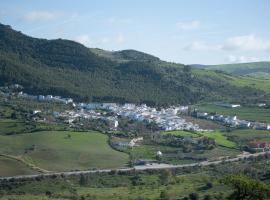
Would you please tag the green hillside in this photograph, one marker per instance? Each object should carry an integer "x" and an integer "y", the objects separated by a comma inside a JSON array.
[
  {"x": 254, "y": 69},
  {"x": 66, "y": 68}
]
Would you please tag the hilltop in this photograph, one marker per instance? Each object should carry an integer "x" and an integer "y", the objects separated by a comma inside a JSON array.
[{"x": 66, "y": 68}]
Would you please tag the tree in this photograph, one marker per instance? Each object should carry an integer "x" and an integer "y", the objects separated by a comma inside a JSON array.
[
  {"x": 209, "y": 185},
  {"x": 207, "y": 197},
  {"x": 165, "y": 177},
  {"x": 83, "y": 180},
  {"x": 164, "y": 195},
  {"x": 246, "y": 188},
  {"x": 193, "y": 196}
]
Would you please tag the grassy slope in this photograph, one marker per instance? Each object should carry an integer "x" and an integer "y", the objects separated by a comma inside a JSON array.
[
  {"x": 54, "y": 151},
  {"x": 10, "y": 167},
  {"x": 244, "y": 136},
  {"x": 220, "y": 139},
  {"x": 241, "y": 68}
]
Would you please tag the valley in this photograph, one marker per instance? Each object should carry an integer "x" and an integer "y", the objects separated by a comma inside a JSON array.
[{"x": 81, "y": 123}]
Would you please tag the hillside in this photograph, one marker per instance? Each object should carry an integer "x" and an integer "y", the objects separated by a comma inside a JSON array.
[
  {"x": 66, "y": 68},
  {"x": 125, "y": 55},
  {"x": 254, "y": 69}
]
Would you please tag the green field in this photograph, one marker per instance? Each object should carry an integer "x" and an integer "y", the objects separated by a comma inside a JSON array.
[
  {"x": 10, "y": 126},
  {"x": 55, "y": 151},
  {"x": 246, "y": 135},
  {"x": 219, "y": 138},
  {"x": 246, "y": 113},
  {"x": 10, "y": 167}
]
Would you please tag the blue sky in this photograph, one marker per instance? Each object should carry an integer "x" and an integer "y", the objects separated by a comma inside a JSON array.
[{"x": 184, "y": 31}]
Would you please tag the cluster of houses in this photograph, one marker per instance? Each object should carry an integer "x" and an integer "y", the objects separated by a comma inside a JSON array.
[
  {"x": 48, "y": 98},
  {"x": 228, "y": 105},
  {"x": 233, "y": 121},
  {"x": 69, "y": 116},
  {"x": 166, "y": 118},
  {"x": 132, "y": 143}
]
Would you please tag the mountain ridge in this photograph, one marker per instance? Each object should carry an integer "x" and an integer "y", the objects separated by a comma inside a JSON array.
[{"x": 66, "y": 68}]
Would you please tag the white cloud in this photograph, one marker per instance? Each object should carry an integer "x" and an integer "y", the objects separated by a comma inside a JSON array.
[
  {"x": 247, "y": 43},
  {"x": 38, "y": 16},
  {"x": 188, "y": 25},
  {"x": 237, "y": 43},
  {"x": 201, "y": 46},
  {"x": 83, "y": 39},
  {"x": 241, "y": 59}
]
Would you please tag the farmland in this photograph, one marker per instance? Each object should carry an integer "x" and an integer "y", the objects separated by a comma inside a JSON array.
[
  {"x": 242, "y": 136},
  {"x": 13, "y": 167},
  {"x": 219, "y": 138},
  {"x": 61, "y": 151},
  {"x": 245, "y": 113}
]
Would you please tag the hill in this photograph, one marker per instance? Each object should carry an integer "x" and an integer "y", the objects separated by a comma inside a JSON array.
[
  {"x": 254, "y": 69},
  {"x": 125, "y": 55},
  {"x": 66, "y": 68}
]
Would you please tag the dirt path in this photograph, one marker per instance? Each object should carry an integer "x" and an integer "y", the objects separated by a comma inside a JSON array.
[{"x": 30, "y": 165}]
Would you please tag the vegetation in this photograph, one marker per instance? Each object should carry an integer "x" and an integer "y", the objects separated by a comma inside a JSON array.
[
  {"x": 61, "y": 151},
  {"x": 180, "y": 133},
  {"x": 66, "y": 68},
  {"x": 246, "y": 188},
  {"x": 197, "y": 182},
  {"x": 245, "y": 113},
  {"x": 249, "y": 69},
  {"x": 219, "y": 138}
]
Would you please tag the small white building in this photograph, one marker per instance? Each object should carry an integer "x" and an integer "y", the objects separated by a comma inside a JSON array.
[{"x": 159, "y": 153}]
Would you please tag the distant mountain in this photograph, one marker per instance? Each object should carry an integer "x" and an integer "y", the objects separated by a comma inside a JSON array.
[
  {"x": 66, "y": 68},
  {"x": 254, "y": 69}
]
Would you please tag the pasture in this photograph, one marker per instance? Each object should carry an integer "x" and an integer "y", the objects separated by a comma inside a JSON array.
[
  {"x": 63, "y": 151},
  {"x": 10, "y": 167},
  {"x": 242, "y": 136},
  {"x": 220, "y": 138}
]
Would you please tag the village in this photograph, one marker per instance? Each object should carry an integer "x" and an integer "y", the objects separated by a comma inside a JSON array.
[
  {"x": 232, "y": 121},
  {"x": 167, "y": 119}
]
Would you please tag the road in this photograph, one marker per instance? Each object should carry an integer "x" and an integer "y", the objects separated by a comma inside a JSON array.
[{"x": 137, "y": 168}]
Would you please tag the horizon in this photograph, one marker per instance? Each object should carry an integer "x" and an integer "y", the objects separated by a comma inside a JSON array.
[{"x": 186, "y": 32}]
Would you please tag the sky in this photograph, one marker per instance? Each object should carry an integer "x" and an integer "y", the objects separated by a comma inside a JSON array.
[{"x": 182, "y": 31}]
